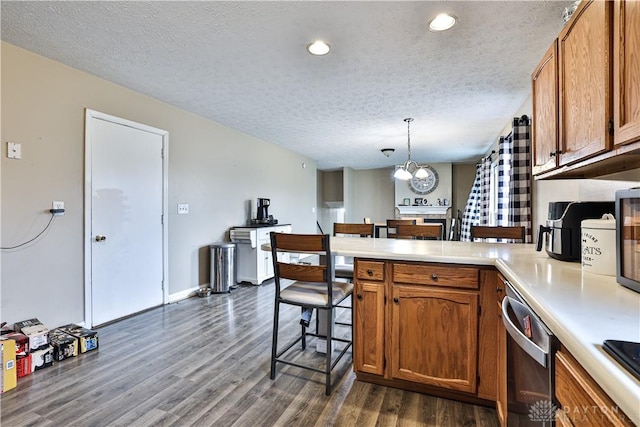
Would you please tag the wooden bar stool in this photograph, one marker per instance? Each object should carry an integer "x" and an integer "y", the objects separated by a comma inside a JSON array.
[{"x": 313, "y": 287}]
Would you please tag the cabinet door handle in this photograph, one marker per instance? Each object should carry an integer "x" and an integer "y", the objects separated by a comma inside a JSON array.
[
  {"x": 434, "y": 276},
  {"x": 499, "y": 289},
  {"x": 359, "y": 296},
  {"x": 396, "y": 300},
  {"x": 370, "y": 272}
]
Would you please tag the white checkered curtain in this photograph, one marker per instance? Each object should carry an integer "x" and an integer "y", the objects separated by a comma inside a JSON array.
[
  {"x": 504, "y": 178},
  {"x": 473, "y": 212},
  {"x": 520, "y": 182},
  {"x": 485, "y": 191}
]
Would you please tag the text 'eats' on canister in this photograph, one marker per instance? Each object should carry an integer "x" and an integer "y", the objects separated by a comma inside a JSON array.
[{"x": 599, "y": 245}]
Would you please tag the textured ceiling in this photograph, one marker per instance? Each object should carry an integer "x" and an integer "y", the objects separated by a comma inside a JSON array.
[{"x": 244, "y": 64}]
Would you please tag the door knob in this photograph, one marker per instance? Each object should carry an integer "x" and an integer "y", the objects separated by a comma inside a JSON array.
[{"x": 100, "y": 238}]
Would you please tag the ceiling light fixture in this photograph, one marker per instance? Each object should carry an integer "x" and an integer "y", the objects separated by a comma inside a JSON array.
[
  {"x": 387, "y": 151},
  {"x": 442, "y": 22},
  {"x": 403, "y": 173},
  {"x": 318, "y": 48}
]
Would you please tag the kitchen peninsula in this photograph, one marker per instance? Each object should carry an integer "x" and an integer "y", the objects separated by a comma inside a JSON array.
[{"x": 581, "y": 309}]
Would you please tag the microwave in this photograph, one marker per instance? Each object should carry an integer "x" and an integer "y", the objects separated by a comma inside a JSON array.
[{"x": 628, "y": 238}]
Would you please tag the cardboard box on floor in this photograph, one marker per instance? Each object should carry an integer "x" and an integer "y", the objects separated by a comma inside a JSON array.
[
  {"x": 87, "y": 338},
  {"x": 38, "y": 333},
  {"x": 41, "y": 358},
  {"x": 8, "y": 373},
  {"x": 64, "y": 345},
  {"x": 23, "y": 366}
]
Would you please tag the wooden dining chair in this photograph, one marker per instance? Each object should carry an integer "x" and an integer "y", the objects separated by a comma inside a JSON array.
[
  {"x": 354, "y": 229},
  {"x": 344, "y": 270},
  {"x": 392, "y": 225},
  {"x": 490, "y": 232},
  {"x": 442, "y": 221},
  {"x": 313, "y": 287},
  {"x": 419, "y": 231}
]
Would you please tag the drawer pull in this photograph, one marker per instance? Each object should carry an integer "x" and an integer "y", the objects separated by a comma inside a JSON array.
[
  {"x": 396, "y": 300},
  {"x": 369, "y": 272},
  {"x": 359, "y": 296},
  {"x": 434, "y": 276}
]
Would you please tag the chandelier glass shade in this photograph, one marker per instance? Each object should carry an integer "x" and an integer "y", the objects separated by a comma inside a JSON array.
[{"x": 410, "y": 168}]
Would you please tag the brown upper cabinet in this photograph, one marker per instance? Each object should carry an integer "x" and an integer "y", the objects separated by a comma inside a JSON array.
[
  {"x": 626, "y": 72},
  {"x": 544, "y": 82},
  {"x": 586, "y": 96},
  {"x": 584, "y": 79}
]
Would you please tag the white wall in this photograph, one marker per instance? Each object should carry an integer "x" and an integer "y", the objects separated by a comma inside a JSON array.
[
  {"x": 444, "y": 190},
  {"x": 43, "y": 106},
  {"x": 601, "y": 189}
]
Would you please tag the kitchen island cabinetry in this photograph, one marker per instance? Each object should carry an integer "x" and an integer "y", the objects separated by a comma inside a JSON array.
[
  {"x": 419, "y": 324},
  {"x": 368, "y": 324},
  {"x": 501, "y": 359}
]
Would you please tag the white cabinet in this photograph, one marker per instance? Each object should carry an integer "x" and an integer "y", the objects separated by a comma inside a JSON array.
[{"x": 253, "y": 264}]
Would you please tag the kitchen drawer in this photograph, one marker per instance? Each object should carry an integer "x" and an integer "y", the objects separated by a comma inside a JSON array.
[
  {"x": 370, "y": 270},
  {"x": 581, "y": 398},
  {"x": 436, "y": 275}
]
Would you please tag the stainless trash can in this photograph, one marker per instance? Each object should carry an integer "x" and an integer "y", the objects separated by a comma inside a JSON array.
[{"x": 223, "y": 266}]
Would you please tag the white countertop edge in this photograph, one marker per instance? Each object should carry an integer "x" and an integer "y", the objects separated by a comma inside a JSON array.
[{"x": 616, "y": 381}]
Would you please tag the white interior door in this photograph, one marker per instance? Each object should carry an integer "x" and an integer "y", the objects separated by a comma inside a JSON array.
[{"x": 125, "y": 204}]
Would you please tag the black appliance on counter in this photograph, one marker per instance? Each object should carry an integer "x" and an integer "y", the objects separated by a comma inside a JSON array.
[
  {"x": 562, "y": 234},
  {"x": 263, "y": 217}
]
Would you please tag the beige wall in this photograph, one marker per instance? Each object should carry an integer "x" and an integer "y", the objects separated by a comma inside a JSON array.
[
  {"x": 43, "y": 105},
  {"x": 373, "y": 195}
]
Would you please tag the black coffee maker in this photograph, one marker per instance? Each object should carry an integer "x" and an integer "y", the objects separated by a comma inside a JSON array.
[{"x": 263, "y": 210}]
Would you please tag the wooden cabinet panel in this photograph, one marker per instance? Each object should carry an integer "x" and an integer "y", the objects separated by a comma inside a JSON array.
[
  {"x": 436, "y": 275},
  {"x": 581, "y": 398},
  {"x": 487, "y": 336},
  {"x": 585, "y": 82},
  {"x": 369, "y": 327},
  {"x": 434, "y": 337},
  {"x": 544, "y": 86},
  {"x": 370, "y": 270},
  {"x": 626, "y": 71},
  {"x": 501, "y": 359}
]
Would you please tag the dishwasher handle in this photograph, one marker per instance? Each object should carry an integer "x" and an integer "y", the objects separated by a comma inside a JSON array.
[{"x": 537, "y": 353}]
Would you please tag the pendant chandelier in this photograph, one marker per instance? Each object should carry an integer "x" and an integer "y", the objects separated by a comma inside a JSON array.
[{"x": 410, "y": 168}]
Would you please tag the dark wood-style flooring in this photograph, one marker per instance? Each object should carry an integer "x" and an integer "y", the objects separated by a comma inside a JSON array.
[{"x": 205, "y": 362}]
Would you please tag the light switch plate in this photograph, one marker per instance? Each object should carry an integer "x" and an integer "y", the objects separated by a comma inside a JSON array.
[
  {"x": 14, "y": 150},
  {"x": 183, "y": 208}
]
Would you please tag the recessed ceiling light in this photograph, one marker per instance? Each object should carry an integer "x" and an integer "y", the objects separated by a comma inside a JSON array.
[
  {"x": 318, "y": 47},
  {"x": 442, "y": 22}
]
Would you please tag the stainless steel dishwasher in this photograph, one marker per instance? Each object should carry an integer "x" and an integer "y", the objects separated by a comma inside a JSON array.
[{"x": 530, "y": 370}]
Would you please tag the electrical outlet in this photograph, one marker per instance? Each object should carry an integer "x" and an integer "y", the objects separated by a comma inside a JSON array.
[
  {"x": 14, "y": 150},
  {"x": 57, "y": 208},
  {"x": 183, "y": 208}
]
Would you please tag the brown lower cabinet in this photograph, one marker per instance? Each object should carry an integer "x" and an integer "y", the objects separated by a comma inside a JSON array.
[
  {"x": 582, "y": 401},
  {"x": 426, "y": 327},
  {"x": 501, "y": 395}
]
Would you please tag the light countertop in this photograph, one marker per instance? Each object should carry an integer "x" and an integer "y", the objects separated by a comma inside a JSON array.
[{"x": 581, "y": 309}]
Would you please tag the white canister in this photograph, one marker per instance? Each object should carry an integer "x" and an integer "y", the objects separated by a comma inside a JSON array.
[{"x": 599, "y": 245}]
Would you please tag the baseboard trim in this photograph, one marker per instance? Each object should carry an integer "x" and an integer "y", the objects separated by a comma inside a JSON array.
[{"x": 179, "y": 296}]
